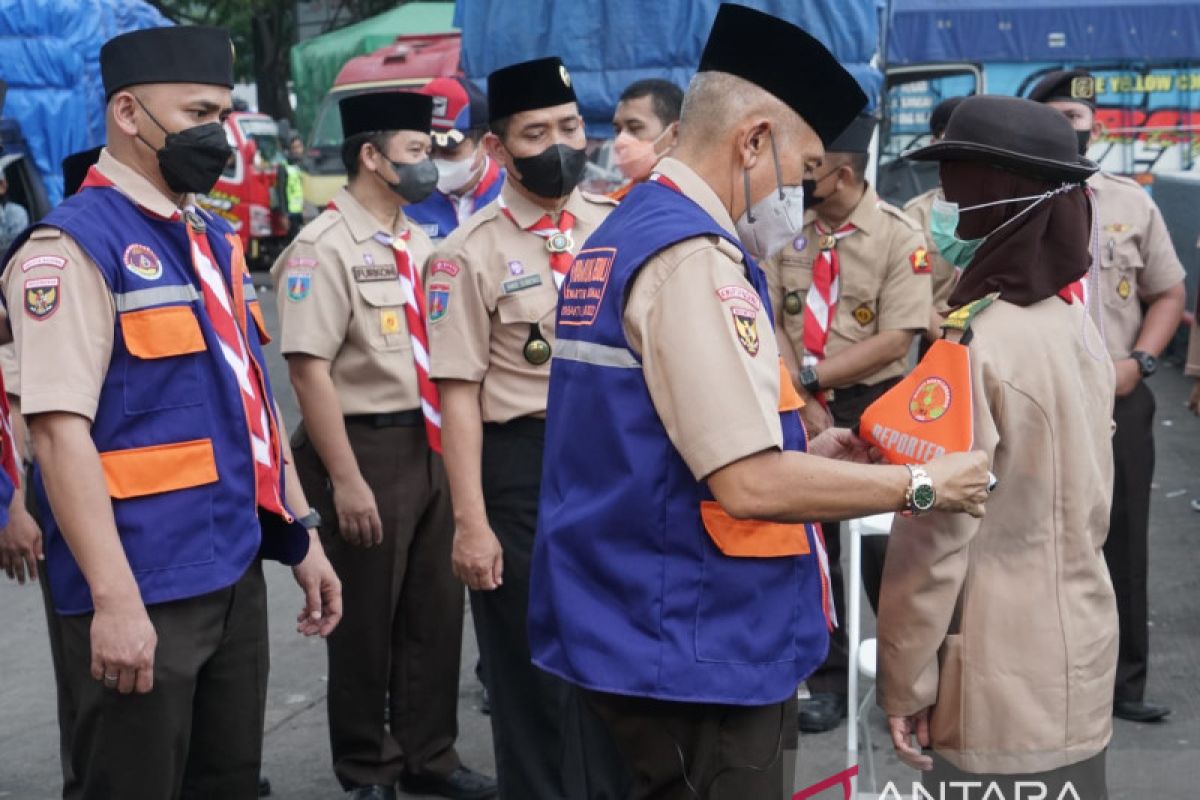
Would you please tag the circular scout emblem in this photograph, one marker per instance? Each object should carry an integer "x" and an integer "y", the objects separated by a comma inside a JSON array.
[
  {"x": 1124, "y": 289},
  {"x": 792, "y": 304},
  {"x": 930, "y": 401},
  {"x": 559, "y": 243},
  {"x": 828, "y": 241},
  {"x": 537, "y": 351},
  {"x": 141, "y": 261},
  {"x": 863, "y": 315},
  {"x": 799, "y": 243}
]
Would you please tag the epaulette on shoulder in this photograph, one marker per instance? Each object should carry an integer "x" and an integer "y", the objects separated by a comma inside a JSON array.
[
  {"x": 960, "y": 319},
  {"x": 1122, "y": 179},
  {"x": 313, "y": 230},
  {"x": 599, "y": 199},
  {"x": 888, "y": 208}
]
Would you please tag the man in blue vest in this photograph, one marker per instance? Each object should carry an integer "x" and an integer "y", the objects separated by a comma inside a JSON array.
[
  {"x": 674, "y": 576},
  {"x": 468, "y": 178},
  {"x": 162, "y": 460}
]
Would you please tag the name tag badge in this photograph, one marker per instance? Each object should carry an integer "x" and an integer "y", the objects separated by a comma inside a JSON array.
[
  {"x": 371, "y": 273},
  {"x": 521, "y": 284}
]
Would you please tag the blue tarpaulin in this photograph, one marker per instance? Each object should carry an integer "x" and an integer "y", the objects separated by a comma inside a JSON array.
[
  {"x": 1155, "y": 31},
  {"x": 50, "y": 58},
  {"x": 608, "y": 44}
]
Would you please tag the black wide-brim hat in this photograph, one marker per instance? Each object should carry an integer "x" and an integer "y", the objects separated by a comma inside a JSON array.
[
  {"x": 374, "y": 112},
  {"x": 180, "y": 54},
  {"x": 787, "y": 62},
  {"x": 1012, "y": 133}
]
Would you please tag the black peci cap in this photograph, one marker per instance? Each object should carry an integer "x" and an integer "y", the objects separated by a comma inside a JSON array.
[
  {"x": 786, "y": 61},
  {"x": 940, "y": 117},
  {"x": 857, "y": 136},
  {"x": 182, "y": 54},
  {"x": 541, "y": 83},
  {"x": 1074, "y": 85},
  {"x": 385, "y": 111},
  {"x": 75, "y": 169},
  {"x": 1012, "y": 133}
]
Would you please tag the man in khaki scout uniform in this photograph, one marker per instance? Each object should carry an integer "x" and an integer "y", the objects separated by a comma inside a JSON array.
[
  {"x": 843, "y": 360},
  {"x": 139, "y": 347},
  {"x": 941, "y": 272},
  {"x": 493, "y": 289},
  {"x": 368, "y": 452},
  {"x": 1138, "y": 270}
]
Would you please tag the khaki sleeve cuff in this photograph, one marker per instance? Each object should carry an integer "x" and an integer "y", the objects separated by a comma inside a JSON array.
[
  {"x": 728, "y": 446},
  {"x": 59, "y": 401}
]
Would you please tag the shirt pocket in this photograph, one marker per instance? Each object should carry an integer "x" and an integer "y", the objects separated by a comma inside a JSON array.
[
  {"x": 163, "y": 370},
  {"x": 1120, "y": 268},
  {"x": 381, "y": 316},
  {"x": 529, "y": 306},
  {"x": 795, "y": 276}
]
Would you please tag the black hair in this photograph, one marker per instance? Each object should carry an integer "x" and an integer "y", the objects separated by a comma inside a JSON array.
[
  {"x": 665, "y": 98},
  {"x": 352, "y": 147},
  {"x": 857, "y": 162}
]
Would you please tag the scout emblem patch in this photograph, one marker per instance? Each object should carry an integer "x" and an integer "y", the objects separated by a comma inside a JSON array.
[
  {"x": 56, "y": 262},
  {"x": 931, "y": 400},
  {"x": 439, "y": 301},
  {"x": 141, "y": 261},
  {"x": 559, "y": 242},
  {"x": 389, "y": 321},
  {"x": 792, "y": 303},
  {"x": 920, "y": 261},
  {"x": 1124, "y": 289},
  {"x": 745, "y": 324},
  {"x": 863, "y": 315},
  {"x": 299, "y": 285},
  {"x": 443, "y": 266},
  {"x": 42, "y": 297}
]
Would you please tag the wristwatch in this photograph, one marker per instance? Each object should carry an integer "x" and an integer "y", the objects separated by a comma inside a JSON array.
[
  {"x": 310, "y": 520},
  {"x": 1147, "y": 363},
  {"x": 920, "y": 496},
  {"x": 809, "y": 380}
]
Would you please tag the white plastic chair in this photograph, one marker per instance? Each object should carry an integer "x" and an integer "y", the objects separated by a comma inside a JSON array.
[{"x": 863, "y": 654}]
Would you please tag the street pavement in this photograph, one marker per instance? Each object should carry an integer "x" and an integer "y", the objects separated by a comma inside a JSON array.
[{"x": 1146, "y": 762}]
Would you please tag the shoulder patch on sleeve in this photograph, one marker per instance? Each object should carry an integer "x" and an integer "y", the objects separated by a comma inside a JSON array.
[
  {"x": 444, "y": 266},
  {"x": 919, "y": 260},
  {"x": 42, "y": 297}
]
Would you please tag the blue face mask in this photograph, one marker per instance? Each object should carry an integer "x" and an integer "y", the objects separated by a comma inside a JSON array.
[{"x": 943, "y": 225}]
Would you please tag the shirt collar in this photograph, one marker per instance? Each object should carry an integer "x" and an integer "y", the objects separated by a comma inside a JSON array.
[
  {"x": 697, "y": 190},
  {"x": 527, "y": 213},
  {"x": 362, "y": 223},
  {"x": 137, "y": 188},
  {"x": 864, "y": 217}
]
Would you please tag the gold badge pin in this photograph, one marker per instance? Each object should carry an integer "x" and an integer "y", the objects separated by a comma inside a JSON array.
[
  {"x": 864, "y": 315},
  {"x": 792, "y": 303},
  {"x": 828, "y": 241},
  {"x": 389, "y": 321},
  {"x": 566, "y": 76},
  {"x": 1124, "y": 289}
]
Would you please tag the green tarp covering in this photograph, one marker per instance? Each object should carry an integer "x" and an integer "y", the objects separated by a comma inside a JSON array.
[{"x": 316, "y": 62}]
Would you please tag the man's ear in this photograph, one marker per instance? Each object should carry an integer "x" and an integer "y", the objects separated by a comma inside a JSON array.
[
  {"x": 496, "y": 149},
  {"x": 753, "y": 141},
  {"x": 123, "y": 108},
  {"x": 1097, "y": 131}
]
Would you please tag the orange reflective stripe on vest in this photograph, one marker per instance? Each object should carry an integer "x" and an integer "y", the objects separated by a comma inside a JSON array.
[
  {"x": 927, "y": 414},
  {"x": 142, "y": 471},
  {"x": 789, "y": 398}
]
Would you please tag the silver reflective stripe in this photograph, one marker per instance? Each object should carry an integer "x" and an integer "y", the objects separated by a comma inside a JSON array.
[
  {"x": 159, "y": 295},
  {"x": 599, "y": 354}
]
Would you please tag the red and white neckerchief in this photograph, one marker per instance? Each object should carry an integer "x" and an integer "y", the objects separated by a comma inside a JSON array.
[
  {"x": 414, "y": 316},
  {"x": 558, "y": 239},
  {"x": 827, "y": 605},
  {"x": 820, "y": 304},
  {"x": 1076, "y": 290},
  {"x": 225, "y": 307},
  {"x": 226, "y": 310}
]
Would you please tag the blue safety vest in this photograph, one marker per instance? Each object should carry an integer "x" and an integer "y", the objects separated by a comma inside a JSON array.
[
  {"x": 170, "y": 425},
  {"x": 629, "y": 592},
  {"x": 438, "y": 214}
]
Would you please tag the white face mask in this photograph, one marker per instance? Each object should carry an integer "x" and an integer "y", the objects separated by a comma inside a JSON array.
[
  {"x": 453, "y": 175},
  {"x": 773, "y": 222}
]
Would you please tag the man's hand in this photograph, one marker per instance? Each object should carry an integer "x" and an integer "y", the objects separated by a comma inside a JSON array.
[
  {"x": 20, "y": 545},
  {"x": 477, "y": 557},
  {"x": 1194, "y": 399},
  {"x": 842, "y": 444},
  {"x": 322, "y": 592},
  {"x": 358, "y": 516},
  {"x": 817, "y": 418},
  {"x": 960, "y": 482},
  {"x": 1129, "y": 375},
  {"x": 903, "y": 730},
  {"x": 123, "y": 644}
]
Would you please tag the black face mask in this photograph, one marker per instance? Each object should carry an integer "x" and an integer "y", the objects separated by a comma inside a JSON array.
[
  {"x": 552, "y": 173},
  {"x": 810, "y": 194},
  {"x": 1084, "y": 138},
  {"x": 193, "y": 159},
  {"x": 417, "y": 181}
]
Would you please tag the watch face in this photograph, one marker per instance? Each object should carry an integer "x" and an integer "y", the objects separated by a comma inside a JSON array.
[{"x": 923, "y": 497}]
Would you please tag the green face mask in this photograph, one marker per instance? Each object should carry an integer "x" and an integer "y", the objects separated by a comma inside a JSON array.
[{"x": 943, "y": 225}]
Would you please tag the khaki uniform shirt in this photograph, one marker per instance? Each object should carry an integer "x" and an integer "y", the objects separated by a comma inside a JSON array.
[
  {"x": 340, "y": 299},
  {"x": 1007, "y": 625},
  {"x": 1137, "y": 259},
  {"x": 884, "y": 277},
  {"x": 63, "y": 356},
  {"x": 489, "y": 284},
  {"x": 8, "y": 367},
  {"x": 714, "y": 384},
  {"x": 944, "y": 275}
]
